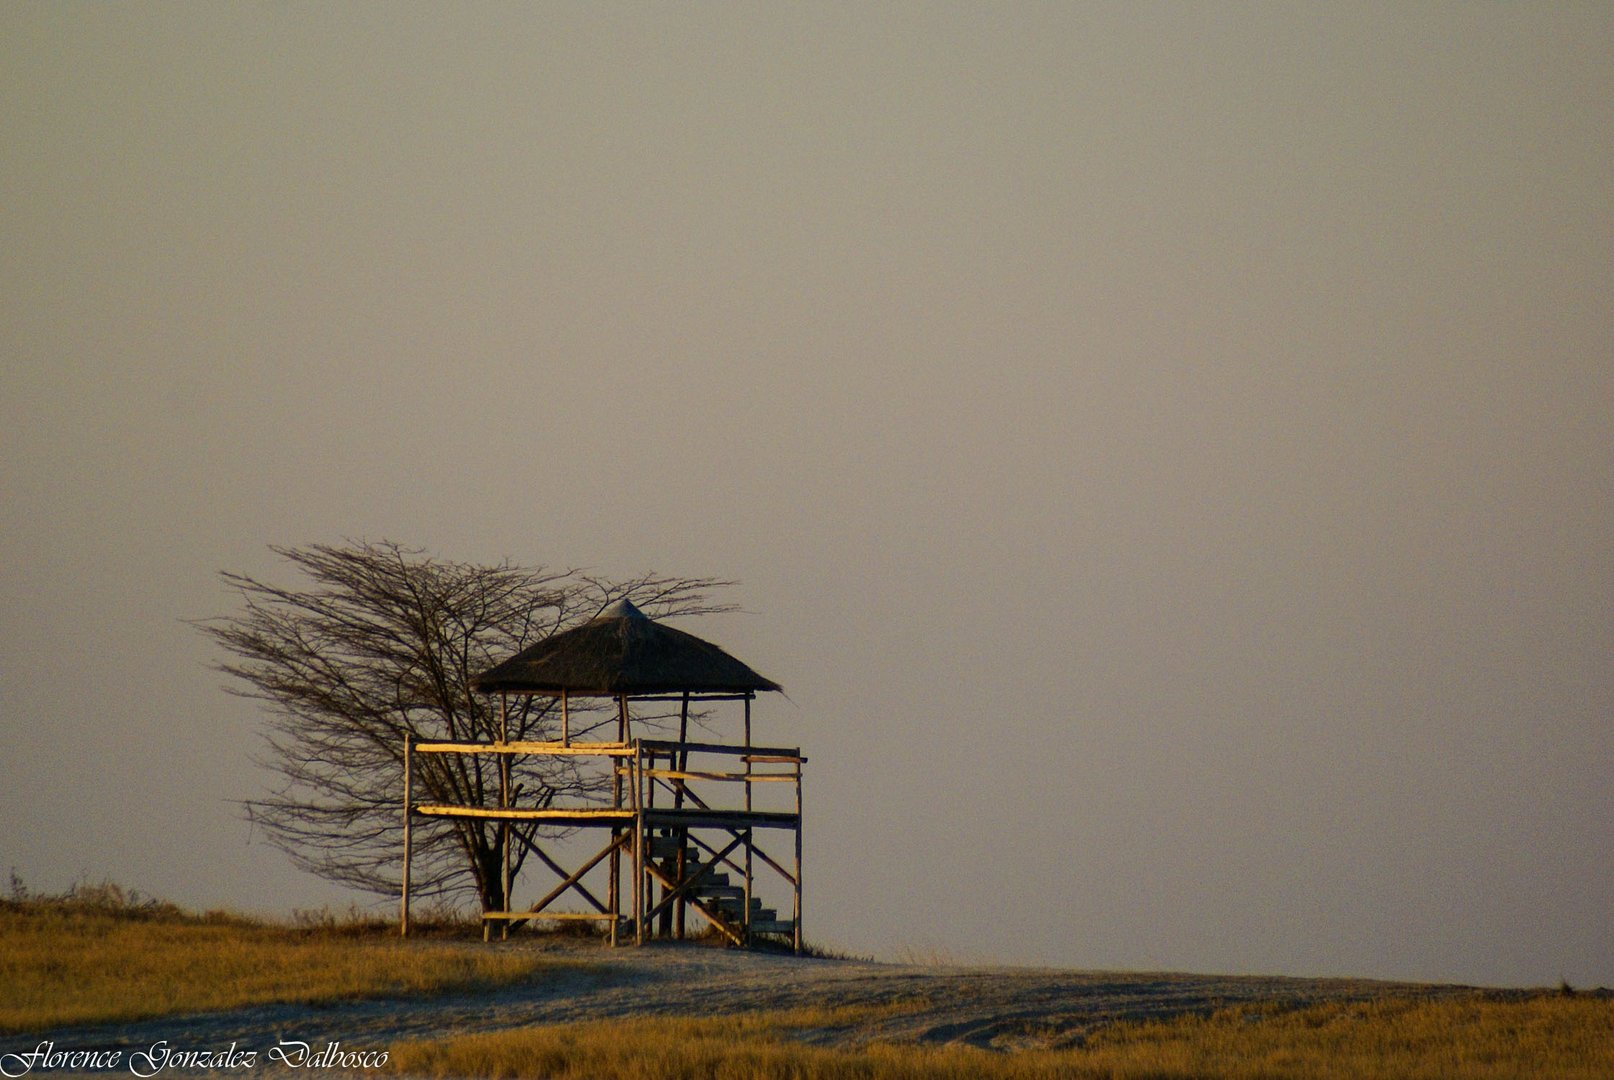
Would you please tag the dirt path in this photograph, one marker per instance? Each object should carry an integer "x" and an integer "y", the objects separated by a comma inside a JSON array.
[{"x": 999, "y": 1008}]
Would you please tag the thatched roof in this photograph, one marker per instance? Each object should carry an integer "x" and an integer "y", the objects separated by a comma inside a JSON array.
[{"x": 622, "y": 651}]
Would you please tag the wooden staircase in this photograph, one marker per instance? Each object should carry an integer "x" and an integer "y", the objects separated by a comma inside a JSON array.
[{"x": 713, "y": 892}]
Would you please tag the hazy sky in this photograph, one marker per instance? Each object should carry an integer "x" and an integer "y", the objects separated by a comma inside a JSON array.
[{"x": 1167, "y": 451}]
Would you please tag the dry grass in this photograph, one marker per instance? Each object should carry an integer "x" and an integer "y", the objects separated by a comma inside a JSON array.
[
  {"x": 747, "y": 1046},
  {"x": 101, "y": 956},
  {"x": 1479, "y": 1037},
  {"x": 1410, "y": 1039}
]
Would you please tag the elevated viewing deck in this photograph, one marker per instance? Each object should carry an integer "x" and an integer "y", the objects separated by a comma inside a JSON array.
[
  {"x": 684, "y": 848},
  {"x": 681, "y": 815}
]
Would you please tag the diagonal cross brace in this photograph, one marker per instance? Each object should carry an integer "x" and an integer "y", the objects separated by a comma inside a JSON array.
[
  {"x": 678, "y": 891},
  {"x": 696, "y": 902},
  {"x": 740, "y": 838},
  {"x": 571, "y": 881}
]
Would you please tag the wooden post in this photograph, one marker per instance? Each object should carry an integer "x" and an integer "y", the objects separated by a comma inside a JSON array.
[
  {"x": 565, "y": 720},
  {"x": 679, "y": 909},
  {"x": 683, "y": 737},
  {"x": 611, "y": 899},
  {"x": 648, "y": 856},
  {"x": 403, "y": 906},
  {"x": 749, "y": 872},
  {"x": 504, "y": 804},
  {"x": 796, "y": 912},
  {"x": 615, "y": 890},
  {"x": 638, "y": 844}
]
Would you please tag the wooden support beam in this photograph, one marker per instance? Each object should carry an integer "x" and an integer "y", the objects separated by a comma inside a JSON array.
[
  {"x": 615, "y": 891},
  {"x": 638, "y": 851},
  {"x": 680, "y": 759},
  {"x": 701, "y": 908},
  {"x": 403, "y": 904},
  {"x": 521, "y": 813},
  {"x": 571, "y": 881},
  {"x": 721, "y": 819},
  {"x": 718, "y": 859},
  {"x": 683, "y": 887},
  {"x": 721, "y": 777},
  {"x": 690, "y": 795},
  {"x": 684, "y": 891},
  {"x": 518, "y": 917},
  {"x": 761, "y": 854},
  {"x": 504, "y": 804},
  {"x": 729, "y": 749},
  {"x": 702, "y": 817},
  {"x": 795, "y": 929},
  {"x": 524, "y": 746},
  {"x": 750, "y": 876},
  {"x": 693, "y": 695}
]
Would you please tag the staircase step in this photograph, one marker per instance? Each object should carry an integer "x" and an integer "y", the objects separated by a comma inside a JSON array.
[
  {"x": 710, "y": 880},
  {"x": 773, "y": 926},
  {"x": 713, "y": 891},
  {"x": 731, "y": 908},
  {"x": 664, "y": 847},
  {"x": 692, "y": 865}
]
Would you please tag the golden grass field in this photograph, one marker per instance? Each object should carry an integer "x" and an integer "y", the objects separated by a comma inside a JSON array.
[
  {"x": 94, "y": 958},
  {"x": 1571, "y": 1038}
]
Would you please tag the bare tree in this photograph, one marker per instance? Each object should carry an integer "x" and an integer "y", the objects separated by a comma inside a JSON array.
[{"x": 382, "y": 642}]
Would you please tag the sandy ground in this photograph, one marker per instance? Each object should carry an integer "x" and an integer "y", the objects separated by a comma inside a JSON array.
[{"x": 996, "y": 1008}]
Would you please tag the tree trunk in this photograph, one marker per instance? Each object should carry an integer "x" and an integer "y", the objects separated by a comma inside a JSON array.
[{"x": 490, "y": 877}]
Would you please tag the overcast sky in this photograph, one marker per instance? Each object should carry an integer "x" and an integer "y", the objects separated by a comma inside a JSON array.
[{"x": 1166, "y": 451}]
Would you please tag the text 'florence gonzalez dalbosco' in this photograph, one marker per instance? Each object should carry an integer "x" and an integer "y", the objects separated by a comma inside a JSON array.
[{"x": 160, "y": 1056}]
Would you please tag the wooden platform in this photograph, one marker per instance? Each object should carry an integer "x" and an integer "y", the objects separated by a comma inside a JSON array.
[
  {"x": 676, "y": 856},
  {"x": 653, "y": 819}
]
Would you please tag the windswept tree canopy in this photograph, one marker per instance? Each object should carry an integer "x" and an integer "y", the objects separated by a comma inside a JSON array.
[{"x": 380, "y": 641}]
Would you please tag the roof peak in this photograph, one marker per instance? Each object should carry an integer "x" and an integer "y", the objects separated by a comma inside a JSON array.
[
  {"x": 622, "y": 651},
  {"x": 622, "y": 609}
]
